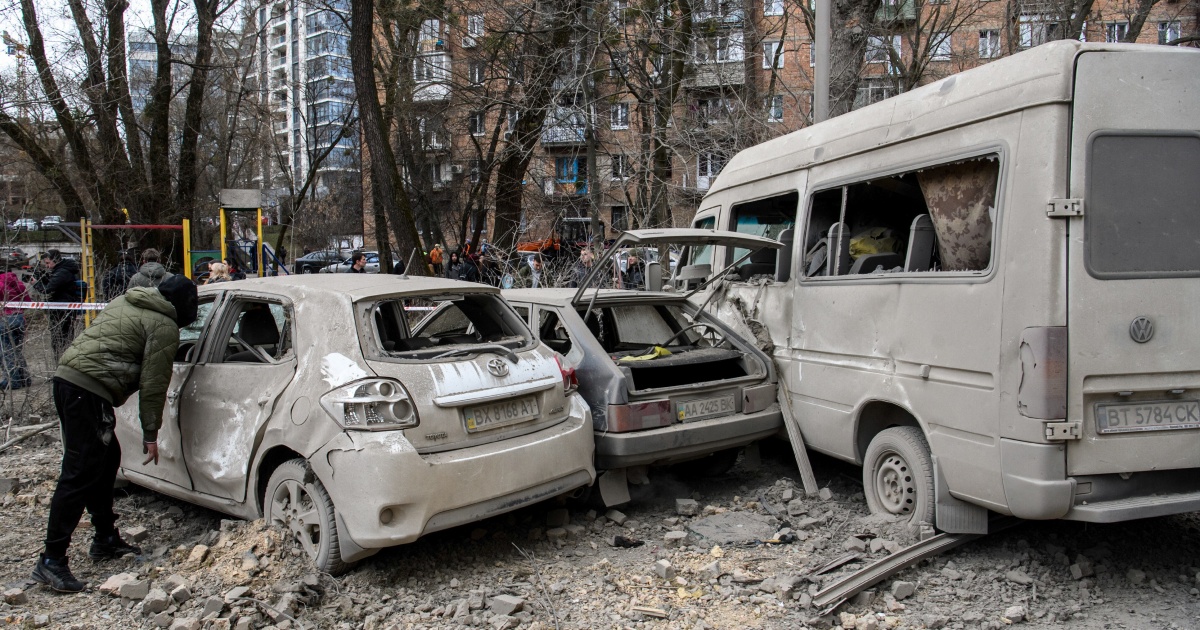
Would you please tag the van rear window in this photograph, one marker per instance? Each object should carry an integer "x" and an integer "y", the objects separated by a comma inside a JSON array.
[{"x": 1142, "y": 206}]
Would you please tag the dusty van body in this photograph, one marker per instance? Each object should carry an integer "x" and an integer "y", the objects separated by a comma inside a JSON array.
[{"x": 988, "y": 291}]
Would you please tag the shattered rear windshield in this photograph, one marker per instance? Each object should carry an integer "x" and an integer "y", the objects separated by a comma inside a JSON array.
[{"x": 424, "y": 328}]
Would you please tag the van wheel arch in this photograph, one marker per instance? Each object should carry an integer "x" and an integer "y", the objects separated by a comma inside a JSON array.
[
  {"x": 266, "y": 467},
  {"x": 877, "y": 416}
]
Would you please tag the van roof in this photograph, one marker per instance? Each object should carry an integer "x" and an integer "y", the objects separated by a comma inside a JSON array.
[{"x": 1038, "y": 76}]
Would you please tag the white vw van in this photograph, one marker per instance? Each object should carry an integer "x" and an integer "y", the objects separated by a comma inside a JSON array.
[{"x": 989, "y": 295}]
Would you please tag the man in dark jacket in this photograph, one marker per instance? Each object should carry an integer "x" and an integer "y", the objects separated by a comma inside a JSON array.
[
  {"x": 129, "y": 348},
  {"x": 59, "y": 286},
  {"x": 116, "y": 281},
  {"x": 358, "y": 263}
]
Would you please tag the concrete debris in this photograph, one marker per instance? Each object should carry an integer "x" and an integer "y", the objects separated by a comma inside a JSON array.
[
  {"x": 1015, "y": 614},
  {"x": 1135, "y": 576},
  {"x": 712, "y": 570},
  {"x": 854, "y": 543},
  {"x": 1018, "y": 577},
  {"x": 1082, "y": 567},
  {"x": 903, "y": 590},
  {"x": 39, "y": 621},
  {"x": 113, "y": 584},
  {"x": 650, "y": 611},
  {"x": 825, "y": 494},
  {"x": 135, "y": 590},
  {"x": 556, "y": 534},
  {"x": 181, "y": 593},
  {"x": 198, "y": 554},
  {"x": 616, "y": 516},
  {"x": 675, "y": 539},
  {"x": 733, "y": 528},
  {"x": 664, "y": 570},
  {"x": 156, "y": 601},
  {"x": 135, "y": 534},
  {"x": 505, "y": 604},
  {"x": 796, "y": 507},
  {"x": 787, "y": 495},
  {"x": 236, "y": 593},
  {"x": 687, "y": 507},
  {"x": 185, "y": 623},
  {"x": 15, "y": 597}
]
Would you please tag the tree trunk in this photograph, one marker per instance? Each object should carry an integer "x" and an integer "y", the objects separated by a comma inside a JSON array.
[
  {"x": 185, "y": 196},
  {"x": 387, "y": 187},
  {"x": 848, "y": 46}
]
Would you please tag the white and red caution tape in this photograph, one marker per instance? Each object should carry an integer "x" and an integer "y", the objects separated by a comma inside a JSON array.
[{"x": 57, "y": 306}]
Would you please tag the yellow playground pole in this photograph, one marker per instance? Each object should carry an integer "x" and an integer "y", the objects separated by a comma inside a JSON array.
[
  {"x": 187, "y": 248},
  {"x": 259, "y": 253},
  {"x": 224, "y": 254}
]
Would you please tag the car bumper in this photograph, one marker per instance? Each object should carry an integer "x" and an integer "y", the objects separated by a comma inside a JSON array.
[
  {"x": 680, "y": 442},
  {"x": 387, "y": 494}
]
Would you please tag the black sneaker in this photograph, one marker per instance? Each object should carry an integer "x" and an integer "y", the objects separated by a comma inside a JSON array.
[
  {"x": 111, "y": 546},
  {"x": 53, "y": 572}
]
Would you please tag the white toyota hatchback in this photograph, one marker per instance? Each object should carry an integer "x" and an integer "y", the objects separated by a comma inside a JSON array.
[{"x": 316, "y": 402}]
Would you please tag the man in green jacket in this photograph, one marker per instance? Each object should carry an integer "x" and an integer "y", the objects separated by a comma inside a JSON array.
[{"x": 129, "y": 348}]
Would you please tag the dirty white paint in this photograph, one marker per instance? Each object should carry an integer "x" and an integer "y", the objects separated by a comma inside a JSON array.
[{"x": 338, "y": 369}]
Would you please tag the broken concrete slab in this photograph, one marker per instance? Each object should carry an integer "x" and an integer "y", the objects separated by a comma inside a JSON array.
[
  {"x": 505, "y": 604},
  {"x": 903, "y": 590},
  {"x": 156, "y": 601},
  {"x": 113, "y": 584},
  {"x": 136, "y": 533},
  {"x": 675, "y": 538},
  {"x": 733, "y": 528},
  {"x": 1015, "y": 614},
  {"x": 664, "y": 570},
  {"x": 15, "y": 597},
  {"x": 136, "y": 589},
  {"x": 616, "y": 516},
  {"x": 687, "y": 507}
]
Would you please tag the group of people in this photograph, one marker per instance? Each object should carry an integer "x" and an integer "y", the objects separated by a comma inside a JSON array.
[{"x": 537, "y": 271}]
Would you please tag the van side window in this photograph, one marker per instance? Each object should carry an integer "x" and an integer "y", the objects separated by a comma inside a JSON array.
[
  {"x": 934, "y": 219},
  {"x": 769, "y": 217}
]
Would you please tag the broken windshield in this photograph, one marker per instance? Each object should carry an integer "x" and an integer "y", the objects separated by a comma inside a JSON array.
[{"x": 481, "y": 319}]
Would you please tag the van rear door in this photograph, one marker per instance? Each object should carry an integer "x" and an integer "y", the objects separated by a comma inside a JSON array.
[{"x": 1134, "y": 266}]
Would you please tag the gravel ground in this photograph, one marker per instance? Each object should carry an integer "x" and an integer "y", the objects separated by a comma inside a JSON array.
[{"x": 548, "y": 566}]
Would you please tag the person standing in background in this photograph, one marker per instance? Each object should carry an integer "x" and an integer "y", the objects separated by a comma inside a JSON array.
[
  {"x": 60, "y": 286},
  {"x": 151, "y": 272},
  {"x": 12, "y": 333}
]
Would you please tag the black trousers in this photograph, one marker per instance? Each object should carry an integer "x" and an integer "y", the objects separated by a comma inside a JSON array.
[{"x": 91, "y": 456}]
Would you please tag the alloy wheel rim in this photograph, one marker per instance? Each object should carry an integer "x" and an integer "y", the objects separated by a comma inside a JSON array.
[{"x": 294, "y": 508}]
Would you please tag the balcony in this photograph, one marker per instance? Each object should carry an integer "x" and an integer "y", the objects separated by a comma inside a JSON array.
[
  {"x": 893, "y": 11},
  {"x": 565, "y": 126},
  {"x": 716, "y": 74}
]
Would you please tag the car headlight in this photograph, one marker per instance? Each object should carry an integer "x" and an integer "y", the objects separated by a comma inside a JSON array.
[{"x": 373, "y": 404}]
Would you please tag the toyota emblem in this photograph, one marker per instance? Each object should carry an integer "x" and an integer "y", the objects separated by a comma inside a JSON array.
[
  {"x": 498, "y": 367},
  {"x": 1141, "y": 329}
]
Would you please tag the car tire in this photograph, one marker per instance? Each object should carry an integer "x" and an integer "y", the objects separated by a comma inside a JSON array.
[
  {"x": 306, "y": 270},
  {"x": 898, "y": 475},
  {"x": 712, "y": 465},
  {"x": 304, "y": 509}
]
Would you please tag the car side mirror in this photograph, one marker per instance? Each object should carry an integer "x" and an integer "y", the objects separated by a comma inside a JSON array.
[
  {"x": 783, "y": 259},
  {"x": 653, "y": 276}
]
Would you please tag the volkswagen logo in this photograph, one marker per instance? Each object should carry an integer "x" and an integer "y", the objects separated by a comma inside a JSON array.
[
  {"x": 498, "y": 367},
  {"x": 1141, "y": 329}
]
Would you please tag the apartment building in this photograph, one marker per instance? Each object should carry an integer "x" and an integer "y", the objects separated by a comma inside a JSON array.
[
  {"x": 617, "y": 139},
  {"x": 303, "y": 64}
]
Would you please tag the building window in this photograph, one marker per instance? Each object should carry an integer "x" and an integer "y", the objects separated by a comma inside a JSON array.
[
  {"x": 431, "y": 34},
  {"x": 475, "y": 25},
  {"x": 566, "y": 169},
  {"x": 620, "y": 218},
  {"x": 711, "y": 110},
  {"x": 709, "y": 164},
  {"x": 989, "y": 44},
  {"x": 618, "y": 64},
  {"x": 1115, "y": 32},
  {"x": 430, "y": 67},
  {"x": 772, "y": 54},
  {"x": 616, "y": 11},
  {"x": 1037, "y": 29},
  {"x": 619, "y": 116},
  {"x": 872, "y": 91},
  {"x": 772, "y": 7},
  {"x": 1168, "y": 32},
  {"x": 476, "y": 71},
  {"x": 475, "y": 170},
  {"x": 475, "y": 123},
  {"x": 721, "y": 48},
  {"x": 513, "y": 117},
  {"x": 620, "y": 167},
  {"x": 940, "y": 49},
  {"x": 883, "y": 50},
  {"x": 775, "y": 108}
]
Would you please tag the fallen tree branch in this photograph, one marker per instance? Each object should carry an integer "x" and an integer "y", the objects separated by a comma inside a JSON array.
[{"x": 32, "y": 431}]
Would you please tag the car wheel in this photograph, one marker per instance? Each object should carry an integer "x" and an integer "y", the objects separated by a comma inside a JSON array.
[
  {"x": 712, "y": 465},
  {"x": 898, "y": 475},
  {"x": 304, "y": 509},
  {"x": 306, "y": 270}
]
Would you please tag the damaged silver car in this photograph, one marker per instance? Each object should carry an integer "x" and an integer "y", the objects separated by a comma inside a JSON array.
[
  {"x": 666, "y": 381},
  {"x": 315, "y": 402}
]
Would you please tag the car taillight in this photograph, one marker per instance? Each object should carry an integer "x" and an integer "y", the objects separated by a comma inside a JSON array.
[
  {"x": 638, "y": 416},
  {"x": 374, "y": 404},
  {"x": 570, "y": 381}
]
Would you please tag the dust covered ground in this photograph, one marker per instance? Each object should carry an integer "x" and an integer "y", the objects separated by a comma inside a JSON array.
[{"x": 543, "y": 567}]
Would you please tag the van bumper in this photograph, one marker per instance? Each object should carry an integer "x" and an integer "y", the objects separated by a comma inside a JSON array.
[
  {"x": 1036, "y": 485},
  {"x": 1112, "y": 499},
  {"x": 679, "y": 442}
]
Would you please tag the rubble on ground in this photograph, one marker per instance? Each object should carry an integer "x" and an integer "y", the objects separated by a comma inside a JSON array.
[{"x": 737, "y": 551}]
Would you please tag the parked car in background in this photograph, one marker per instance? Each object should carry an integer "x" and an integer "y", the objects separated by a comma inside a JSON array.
[
  {"x": 372, "y": 264},
  {"x": 14, "y": 257},
  {"x": 51, "y": 220},
  {"x": 312, "y": 402},
  {"x": 313, "y": 262},
  {"x": 666, "y": 381},
  {"x": 23, "y": 225}
]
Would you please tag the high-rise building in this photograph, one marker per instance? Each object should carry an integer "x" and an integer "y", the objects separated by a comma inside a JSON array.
[{"x": 304, "y": 67}]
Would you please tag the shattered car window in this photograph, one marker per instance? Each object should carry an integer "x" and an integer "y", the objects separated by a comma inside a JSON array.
[
  {"x": 638, "y": 326},
  {"x": 456, "y": 324}
]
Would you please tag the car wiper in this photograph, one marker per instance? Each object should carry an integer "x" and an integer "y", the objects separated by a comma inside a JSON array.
[{"x": 483, "y": 347}]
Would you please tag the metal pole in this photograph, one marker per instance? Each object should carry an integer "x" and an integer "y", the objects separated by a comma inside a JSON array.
[
  {"x": 821, "y": 49},
  {"x": 224, "y": 254},
  {"x": 187, "y": 249},
  {"x": 259, "y": 253}
]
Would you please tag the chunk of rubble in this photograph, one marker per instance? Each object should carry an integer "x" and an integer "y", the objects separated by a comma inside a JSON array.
[
  {"x": 733, "y": 528},
  {"x": 664, "y": 570},
  {"x": 616, "y": 516},
  {"x": 15, "y": 597},
  {"x": 505, "y": 604},
  {"x": 113, "y": 584},
  {"x": 903, "y": 590},
  {"x": 156, "y": 601},
  {"x": 687, "y": 507},
  {"x": 1015, "y": 614}
]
